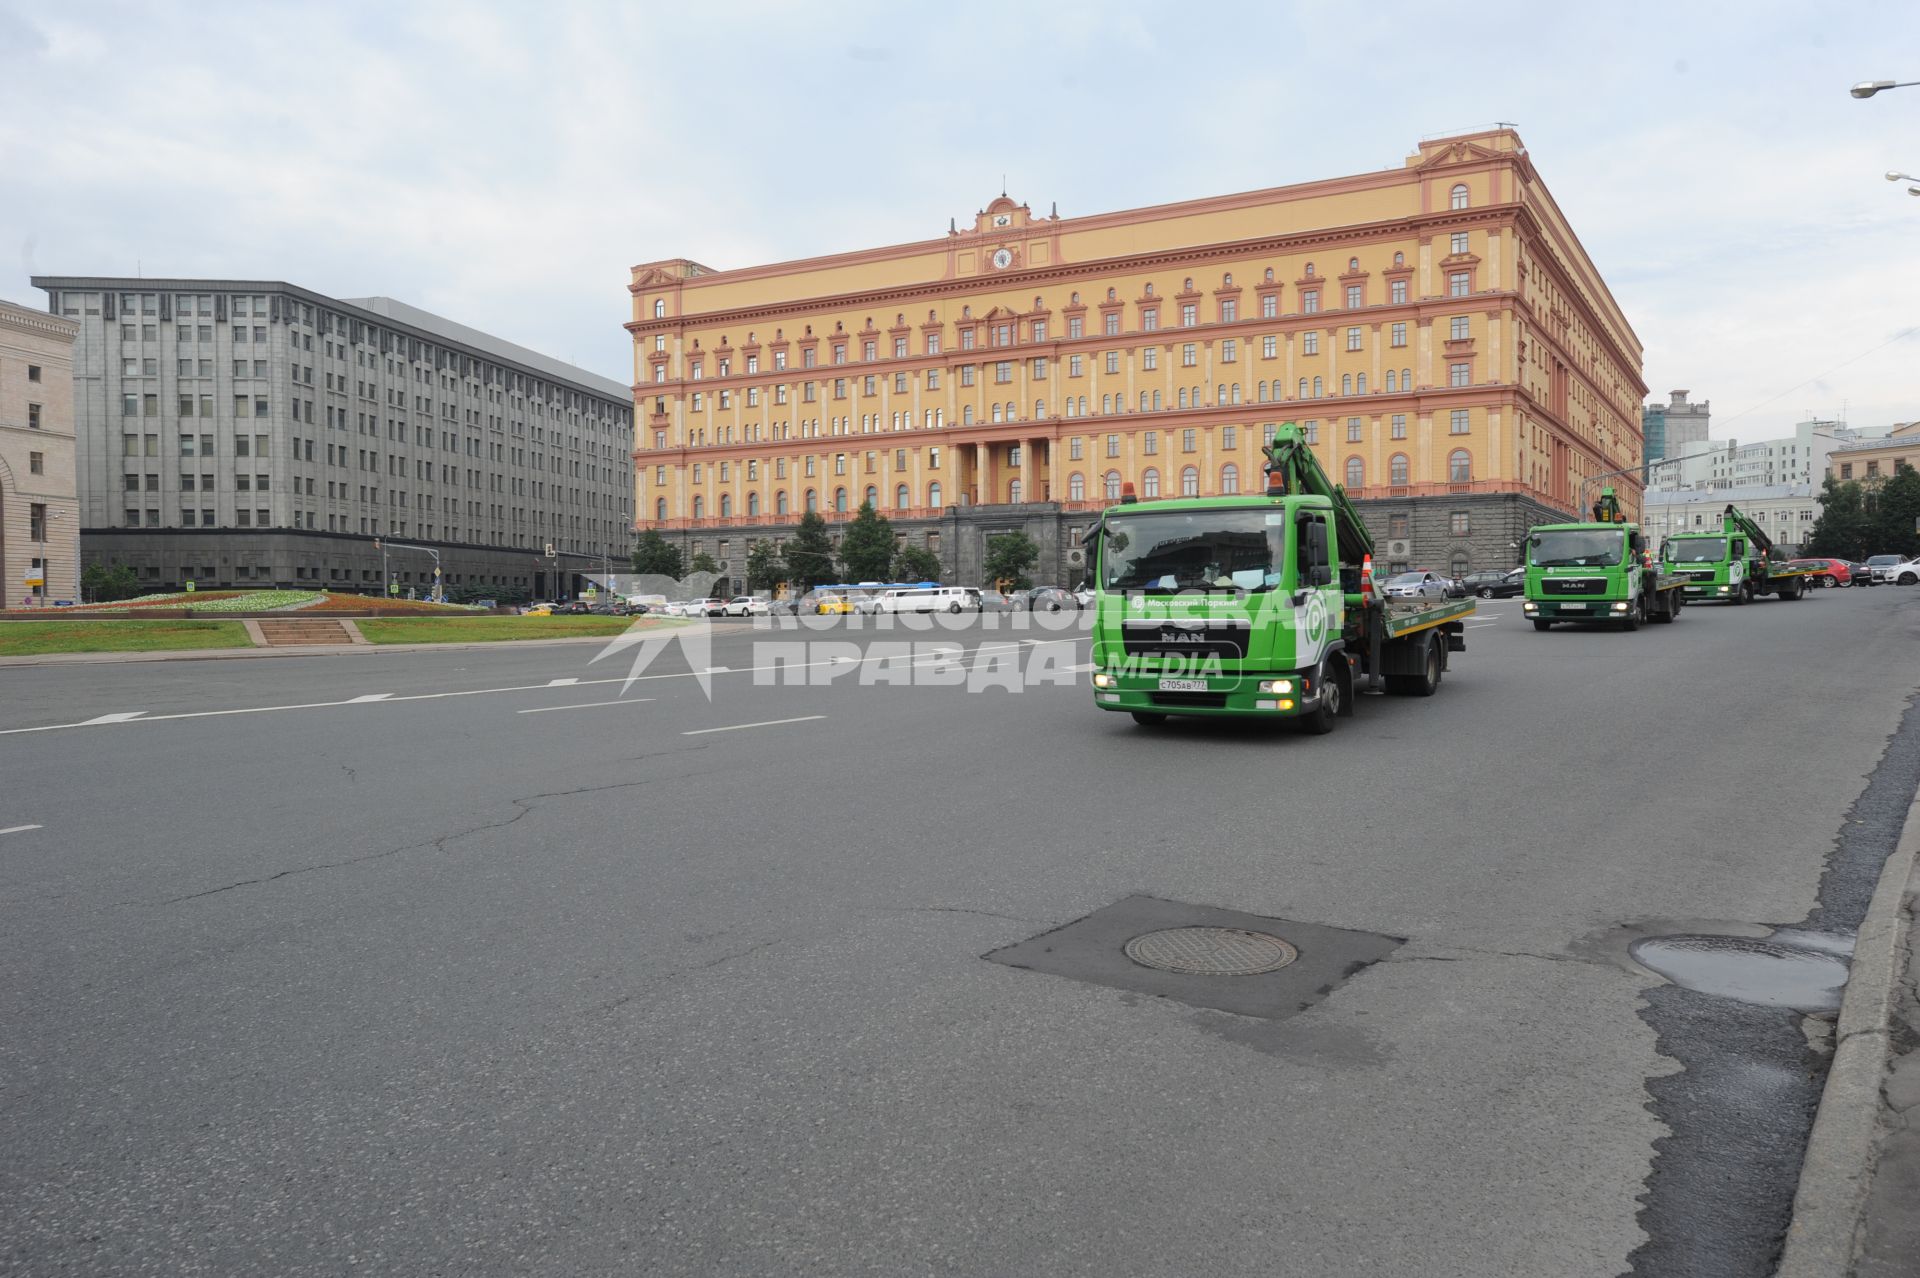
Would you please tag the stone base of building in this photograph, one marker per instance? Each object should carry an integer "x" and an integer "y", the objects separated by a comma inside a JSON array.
[
  {"x": 286, "y": 559},
  {"x": 1491, "y": 537}
]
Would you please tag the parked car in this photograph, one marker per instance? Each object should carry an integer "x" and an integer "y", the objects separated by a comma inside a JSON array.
[
  {"x": 994, "y": 601},
  {"x": 927, "y": 599},
  {"x": 1051, "y": 599},
  {"x": 1832, "y": 572},
  {"x": 830, "y": 605},
  {"x": 573, "y": 608},
  {"x": 1415, "y": 585},
  {"x": 1496, "y": 585},
  {"x": 1877, "y": 566},
  {"x": 1456, "y": 587},
  {"x": 1904, "y": 573},
  {"x": 541, "y": 609},
  {"x": 748, "y": 606},
  {"x": 1084, "y": 593}
]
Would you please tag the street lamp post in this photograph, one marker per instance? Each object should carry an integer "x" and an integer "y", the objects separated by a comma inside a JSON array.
[
  {"x": 1895, "y": 176},
  {"x": 1867, "y": 88}
]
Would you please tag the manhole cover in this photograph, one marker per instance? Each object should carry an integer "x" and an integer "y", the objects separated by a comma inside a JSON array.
[{"x": 1211, "y": 951}]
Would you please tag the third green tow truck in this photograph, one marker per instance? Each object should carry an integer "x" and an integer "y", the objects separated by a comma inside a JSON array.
[{"x": 1735, "y": 563}]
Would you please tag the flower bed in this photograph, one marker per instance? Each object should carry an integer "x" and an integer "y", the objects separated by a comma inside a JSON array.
[
  {"x": 373, "y": 603},
  {"x": 173, "y": 599},
  {"x": 257, "y": 601}
]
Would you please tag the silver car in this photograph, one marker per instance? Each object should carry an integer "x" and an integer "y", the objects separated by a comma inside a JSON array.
[{"x": 1415, "y": 585}]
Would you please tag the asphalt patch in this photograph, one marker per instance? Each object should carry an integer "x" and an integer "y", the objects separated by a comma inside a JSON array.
[{"x": 1093, "y": 949}]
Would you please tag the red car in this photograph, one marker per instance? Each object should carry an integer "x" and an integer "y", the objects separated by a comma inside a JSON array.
[{"x": 1833, "y": 572}]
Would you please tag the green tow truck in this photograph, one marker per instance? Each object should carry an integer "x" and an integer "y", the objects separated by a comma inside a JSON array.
[
  {"x": 1735, "y": 563},
  {"x": 1598, "y": 571},
  {"x": 1258, "y": 606}
]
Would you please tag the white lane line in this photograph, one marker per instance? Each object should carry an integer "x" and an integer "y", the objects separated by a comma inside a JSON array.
[
  {"x": 1083, "y": 668},
  {"x": 115, "y": 718},
  {"x": 366, "y": 697},
  {"x": 587, "y": 705},
  {"x": 768, "y": 723},
  {"x": 561, "y": 683},
  {"x": 21, "y": 829}
]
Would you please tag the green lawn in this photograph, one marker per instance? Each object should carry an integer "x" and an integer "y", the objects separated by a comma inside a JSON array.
[
  {"x": 38, "y": 638},
  {"x": 486, "y": 629}
]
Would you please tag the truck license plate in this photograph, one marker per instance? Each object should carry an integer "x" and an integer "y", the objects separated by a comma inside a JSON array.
[
  {"x": 1183, "y": 685},
  {"x": 1574, "y": 607}
]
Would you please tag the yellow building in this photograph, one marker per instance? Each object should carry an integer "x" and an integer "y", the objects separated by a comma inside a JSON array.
[
  {"x": 1437, "y": 328},
  {"x": 1876, "y": 460}
]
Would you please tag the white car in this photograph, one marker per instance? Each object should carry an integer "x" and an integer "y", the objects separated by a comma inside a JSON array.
[
  {"x": 748, "y": 606},
  {"x": 1904, "y": 573}
]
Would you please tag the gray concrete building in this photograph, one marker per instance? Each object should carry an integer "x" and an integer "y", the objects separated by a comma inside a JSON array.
[
  {"x": 242, "y": 433},
  {"x": 39, "y": 527},
  {"x": 1674, "y": 429}
]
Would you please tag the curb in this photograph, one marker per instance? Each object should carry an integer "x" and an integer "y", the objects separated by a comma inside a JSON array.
[{"x": 1837, "y": 1172}]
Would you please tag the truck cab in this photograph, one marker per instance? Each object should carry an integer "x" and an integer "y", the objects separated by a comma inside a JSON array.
[
  {"x": 1599, "y": 570},
  {"x": 1735, "y": 563}
]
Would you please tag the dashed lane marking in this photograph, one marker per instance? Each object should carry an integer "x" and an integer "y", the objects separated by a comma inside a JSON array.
[
  {"x": 767, "y": 723},
  {"x": 587, "y": 705},
  {"x": 123, "y": 717},
  {"x": 21, "y": 829}
]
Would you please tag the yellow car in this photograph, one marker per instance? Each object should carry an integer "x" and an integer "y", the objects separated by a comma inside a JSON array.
[
  {"x": 832, "y": 605},
  {"x": 538, "y": 610}
]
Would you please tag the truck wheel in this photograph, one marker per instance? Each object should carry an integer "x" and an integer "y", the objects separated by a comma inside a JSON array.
[
  {"x": 1320, "y": 722},
  {"x": 1634, "y": 614},
  {"x": 1427, "y": 682},
  {"x": 1147, "y": 719},
  {"x": 1664, "y": 609},
  {"x": 1743, "y": 595},
  {"x": 1541, "y": 623}
]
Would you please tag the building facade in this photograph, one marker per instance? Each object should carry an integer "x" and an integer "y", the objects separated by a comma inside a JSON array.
[
  {"x": 1786, "y": 511},
  {"x": 1437, "y": 330},
  {"x": 247, "y": 433},
  {"x": 1872, "y": 460},
  {"x": 1799, "y": 458},
  {"x": 1676, "y": 428},
  {"x": 39, "y": 515}
]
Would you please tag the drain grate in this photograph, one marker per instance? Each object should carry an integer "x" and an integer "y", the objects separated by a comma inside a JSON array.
[{"x": 1211, "y": 951}]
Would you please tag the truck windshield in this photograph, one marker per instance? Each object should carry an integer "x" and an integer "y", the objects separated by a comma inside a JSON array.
[
  {"x": 1697, "y": 550},
  {"x": 1577, "y": 547},
  {"x": 1193, "y": 550}
]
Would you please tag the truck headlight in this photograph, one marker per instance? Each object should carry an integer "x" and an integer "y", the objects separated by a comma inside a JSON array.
[
  {"x": 1620, "y": 607},
  {"x": 1102, "y": 679},
  {"x": 1275, "y": 685},
  {"x": 1529, "y": 606}
]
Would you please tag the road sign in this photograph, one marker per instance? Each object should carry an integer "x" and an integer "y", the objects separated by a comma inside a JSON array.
[
  {"x": 189, "y": 587},
  {"x": 436, "y": 570},
  {"x": 393, "y": 588}
]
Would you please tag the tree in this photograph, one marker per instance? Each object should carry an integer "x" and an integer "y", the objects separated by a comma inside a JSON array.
[
  {"x": 809, "y": 553},
  {"x": 1844, "y": 528},
  {"x": 765, "y": 567},
  {"x": 105, "y": 584},
  {"x": 1894, "y": 514},
  {"x": 916, "y": 563},
  {"x": 655, "y": 554},
  {"x": 703, "y": 562},
  {"x": 867, "y": 548},
  {"x": 1009, "y": 556}
]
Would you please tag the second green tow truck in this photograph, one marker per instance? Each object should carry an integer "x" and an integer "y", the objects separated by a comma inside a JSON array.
[
  {"x": 1258, "y": 606},
  {"x": 1597, "y": 571},
  {"x": 1735, "y": 563}
]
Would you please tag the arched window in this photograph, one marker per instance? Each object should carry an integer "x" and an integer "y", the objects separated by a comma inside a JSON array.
[
  {"x": 1070, "y": 406},
  {"x": 1039, "y": 409},
  {"x": 873, "y": 497},
  {"x": 1236, "y": 392},
  {"x": 1183, "y": 397},
  {"x": 1460, "y": 467},
  {"x": 933, "y": 494},
  {"x": 996, "y": 412},
  {"x": 1397, "y": 468},
  {"x": 1303, "y": 389},
  {"x": 840, "y": 499},
  {"x": 753, "y": 503},
  {"x": 1219, "y": 395},
  {"x": 1263, "y": 392},
  {"x": 726, "y": 505},
  {"x": 659, "y": 308},
  {"x": 1011, "y": 415},
  {"x": 780, "y": 502},
  {"x": 1013, "y": 491},
  {"x": 966, "y": 414},
  {"x": 1083, "y": 405},
  {"x": 1309, "y": 268},
  {"x": 1406, "y": 379},
  {"x": 699, "y": 507},
  {"x": 1399, "y": 259},
  {"x": 1143, "y": 401},
  {"x": 901, "y": 497},
  {"x": 1076, "y": 487},
  {"x": 1346, "y": 383},
  {"x": 1459, "y": 564},
  {"x": 1353, "y": 264},
  {"x": 1226, "y": 281},
  {"x": 1156, "y": 401},
  {"x": 1112, "y": 484},
  {"x": 1360, "y": 384},
  {"x": 813, "y": 500},
  {"x": 660, "y": 510},
  {"x": 1106, "y": 403},
  {"x": 1187, "y": 286},
  {"x": 1150, "y": 483},
  {"x": 1190, "y": 482},
  {"x": 1316, "y": 388},
  {"x": 1458, "y": 197},
  {"x": 1356, "y": 472},
  {"x": 1229, "y": 479}
]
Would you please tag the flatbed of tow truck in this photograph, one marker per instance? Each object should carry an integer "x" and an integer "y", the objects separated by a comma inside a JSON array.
[{"x": 1403, "y": 617}]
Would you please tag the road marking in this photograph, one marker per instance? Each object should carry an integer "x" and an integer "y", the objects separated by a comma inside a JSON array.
[
  {"x": 21, "y": 829},
  {"x": 1083, "y": 668},
  {"x": 114, "y": 718},
  {"x": 561, "y": 683},
  {"x": 367, "y": 697},
  {"x": 767, "y": 723},
  {"x": 718, "y": 670},
  {"x": 587, "y": 705}
]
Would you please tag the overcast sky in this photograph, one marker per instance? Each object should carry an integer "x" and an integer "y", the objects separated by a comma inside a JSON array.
[{"x": 504, "y": 164}]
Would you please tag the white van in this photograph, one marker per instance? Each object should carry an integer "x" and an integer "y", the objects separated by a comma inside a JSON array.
[{"x": 929, "y": 599}]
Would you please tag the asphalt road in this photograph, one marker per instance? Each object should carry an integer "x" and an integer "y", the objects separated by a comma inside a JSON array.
[{"x": 477, "y": 975}]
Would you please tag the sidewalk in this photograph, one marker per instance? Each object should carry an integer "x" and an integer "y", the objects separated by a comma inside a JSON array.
[
  {"x": 316, "y": 650},
  {"x": 1889, "y": 1240}
]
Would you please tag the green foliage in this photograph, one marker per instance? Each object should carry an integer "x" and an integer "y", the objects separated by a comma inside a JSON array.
[
  {"x": 1861, "y": 519},
  {"x": 916, "y": 563},
  {"x": 703, "y": 562},
  {"x": 655, "y": 554},
  {"x": 809, "y": 553},
  {"x": 867, "y": 548},
  {"x": 1009, "y": 558},
  {"x": 1898, "y": 506},
  {"x": 108, "y": 584},
  {"x": 765, "y": 567}
]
